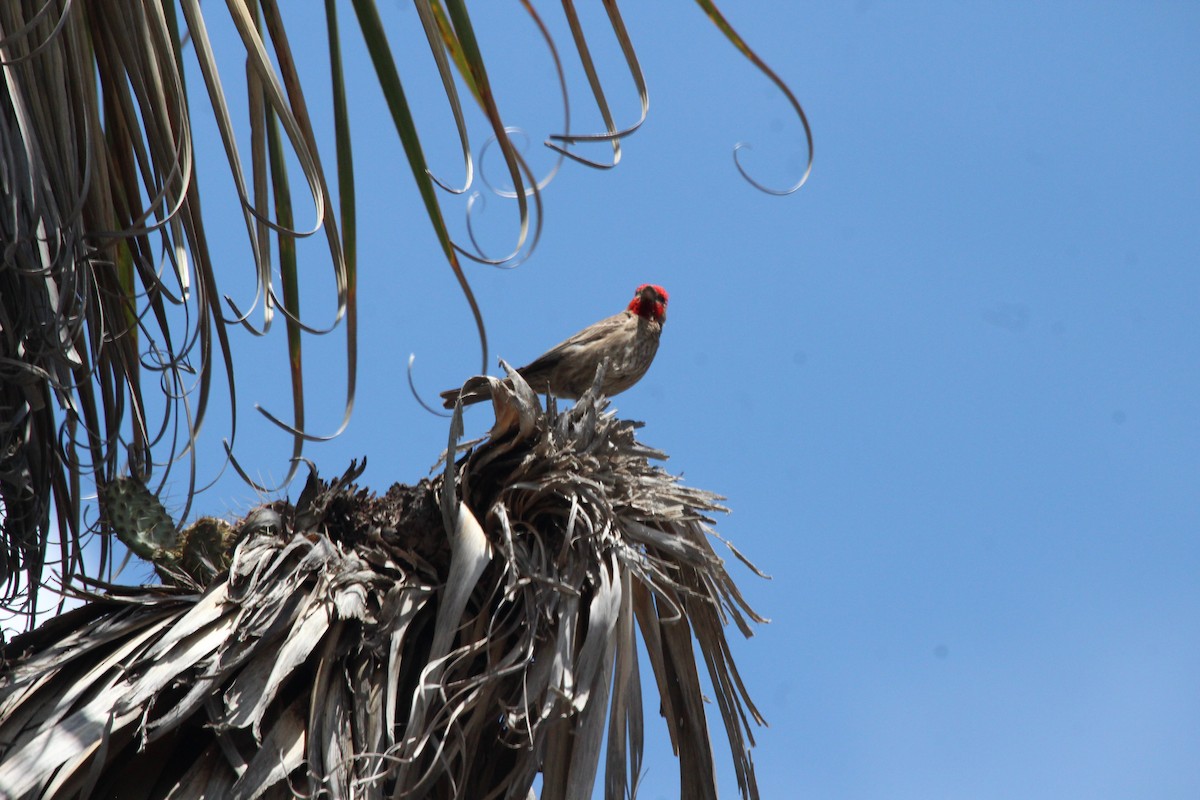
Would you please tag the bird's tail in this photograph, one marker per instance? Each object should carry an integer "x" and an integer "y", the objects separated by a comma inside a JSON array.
[{"x": 475, "y": 390}]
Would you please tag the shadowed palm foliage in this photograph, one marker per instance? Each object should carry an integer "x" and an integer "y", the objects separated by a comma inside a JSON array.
[
  {"x": 114, "y": 326},
  {"x": 450, "y": 639}
]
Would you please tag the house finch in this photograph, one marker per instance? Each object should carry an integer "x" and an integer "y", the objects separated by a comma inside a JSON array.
[{"x": 627, "y": 341}]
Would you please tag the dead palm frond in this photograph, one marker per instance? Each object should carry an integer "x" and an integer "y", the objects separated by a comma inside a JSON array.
[
  {"x": 456, "y": 638},
  {"x": 107, "y": 283}
]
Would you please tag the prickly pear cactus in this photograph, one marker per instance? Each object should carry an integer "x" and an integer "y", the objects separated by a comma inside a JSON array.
[
  {"x": 206, "y": 547},
  {"x": 137, "y": 518},
  {"x": 199, "y": 552}
]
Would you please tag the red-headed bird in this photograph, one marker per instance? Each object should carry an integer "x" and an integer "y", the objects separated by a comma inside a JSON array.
[{"x": 628, "y": 341}]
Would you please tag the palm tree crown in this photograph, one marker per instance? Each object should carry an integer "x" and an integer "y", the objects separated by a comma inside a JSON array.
[{"x": 455, "y": 638}]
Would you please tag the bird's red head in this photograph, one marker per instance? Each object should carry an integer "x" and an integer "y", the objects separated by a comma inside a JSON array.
[{"x": 650, "y": 301}]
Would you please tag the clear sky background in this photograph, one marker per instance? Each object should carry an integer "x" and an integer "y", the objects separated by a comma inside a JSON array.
[{"x": 950, "y": 388}]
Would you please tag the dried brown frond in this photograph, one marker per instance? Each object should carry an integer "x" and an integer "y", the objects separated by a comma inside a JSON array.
[
  {"x": 450, "y": 639},
  {"x": 114, "y": 326}
]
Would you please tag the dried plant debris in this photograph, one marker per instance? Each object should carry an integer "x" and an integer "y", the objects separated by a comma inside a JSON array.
[{"x": 453, "y": 639}]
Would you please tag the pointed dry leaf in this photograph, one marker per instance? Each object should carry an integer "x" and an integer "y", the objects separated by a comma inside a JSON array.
[{"x": 374, "y": 654}]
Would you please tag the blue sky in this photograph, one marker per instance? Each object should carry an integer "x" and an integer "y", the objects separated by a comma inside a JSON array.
[{"x": 950, "y": 388}]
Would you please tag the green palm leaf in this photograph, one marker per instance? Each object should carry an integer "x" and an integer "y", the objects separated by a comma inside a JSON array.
[{"x": 456, "y": 638}]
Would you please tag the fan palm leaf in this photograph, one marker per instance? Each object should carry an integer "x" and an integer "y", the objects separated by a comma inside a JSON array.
[
  {"x": 107, "y": 284},
  {"x": 453, "y": 639}
]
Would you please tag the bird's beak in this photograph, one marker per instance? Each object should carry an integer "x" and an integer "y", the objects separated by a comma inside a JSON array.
[{"x": 649, "y": 295}]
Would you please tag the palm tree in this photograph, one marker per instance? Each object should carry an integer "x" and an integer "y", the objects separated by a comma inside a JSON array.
[
  {"x": 351, "y": 644},
  {"x": 352, "y": 648}
]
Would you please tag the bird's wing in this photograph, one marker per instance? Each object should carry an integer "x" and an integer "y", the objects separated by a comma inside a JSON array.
[
  {"x": 538, "y": 371},
  {"x": 584, "y": 338}
]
